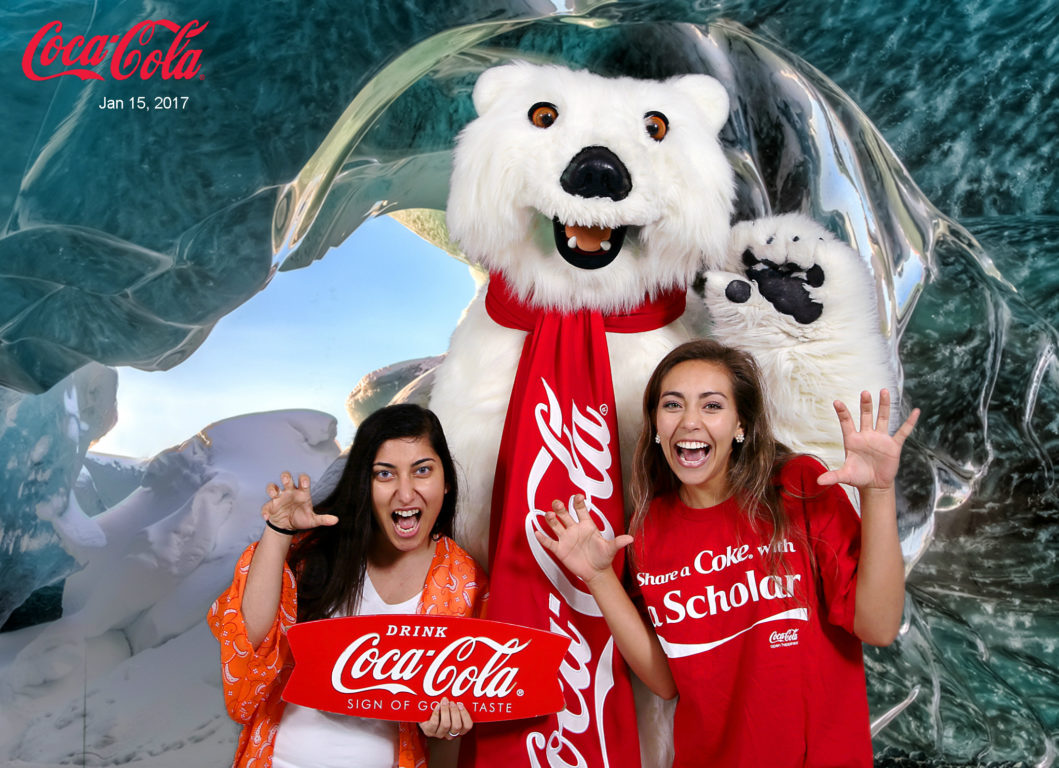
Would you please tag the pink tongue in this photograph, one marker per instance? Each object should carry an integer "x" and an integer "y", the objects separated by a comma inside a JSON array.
[
  {"x": 407, "y": 523},
  {"x": 693, "y": 455},
  {"x": 588, "y": 238}
]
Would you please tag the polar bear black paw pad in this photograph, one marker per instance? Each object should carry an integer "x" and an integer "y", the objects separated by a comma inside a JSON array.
[{"x": 785, "y": 285}]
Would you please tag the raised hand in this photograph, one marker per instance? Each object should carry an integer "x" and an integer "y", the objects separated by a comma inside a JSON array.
[
  {"x": 291, "y": 506},
  {"x": 578, "y": 544},
  {"x": 872, "y": 454}
]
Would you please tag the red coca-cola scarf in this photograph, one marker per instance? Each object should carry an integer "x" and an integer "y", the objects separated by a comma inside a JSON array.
[{"x": 561, "y": 439}]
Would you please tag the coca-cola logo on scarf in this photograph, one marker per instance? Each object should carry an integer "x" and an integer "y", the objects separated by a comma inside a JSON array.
[
  {"x": 137, "y": 52},
  {"x": 399, "y": 667}
]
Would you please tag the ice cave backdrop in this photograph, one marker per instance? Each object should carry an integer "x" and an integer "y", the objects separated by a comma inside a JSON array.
[{"x": 924, "y": 133}]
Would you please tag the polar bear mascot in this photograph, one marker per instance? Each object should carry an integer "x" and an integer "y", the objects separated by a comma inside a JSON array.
[
  {"x": 592, "y": 203},
  {"x": 580, "y": 193}
]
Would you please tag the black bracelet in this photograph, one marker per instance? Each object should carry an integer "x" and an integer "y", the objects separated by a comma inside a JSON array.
[{"x": 284, "y": 531}]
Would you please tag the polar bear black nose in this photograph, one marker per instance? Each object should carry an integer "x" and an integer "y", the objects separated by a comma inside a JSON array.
[{"x": 597, "y": 172}]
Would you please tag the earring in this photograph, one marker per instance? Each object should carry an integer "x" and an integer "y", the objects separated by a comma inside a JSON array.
[
  {"x": 658, "y": 439},
  {"x": 740, "y": 437}
]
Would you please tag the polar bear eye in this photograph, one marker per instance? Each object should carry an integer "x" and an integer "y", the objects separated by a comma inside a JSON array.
[
  {"x": 657, "y": 125},
  {"x": 542, "y": 114}
]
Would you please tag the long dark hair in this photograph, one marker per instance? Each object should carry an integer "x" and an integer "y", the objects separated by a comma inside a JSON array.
[
  {"x": 331, "y": 561},
  {"x": 752, "y": 464}
]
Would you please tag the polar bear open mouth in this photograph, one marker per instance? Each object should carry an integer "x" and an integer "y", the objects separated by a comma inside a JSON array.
[{"x": 588, "y": 247}]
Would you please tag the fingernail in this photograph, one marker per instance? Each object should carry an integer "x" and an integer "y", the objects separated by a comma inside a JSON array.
[{"x": 460, "y": 705}]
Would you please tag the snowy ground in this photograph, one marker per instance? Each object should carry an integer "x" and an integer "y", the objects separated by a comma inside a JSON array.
[{"x": 130, "y": 674}]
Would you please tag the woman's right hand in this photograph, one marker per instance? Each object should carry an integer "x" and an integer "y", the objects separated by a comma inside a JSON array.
[
  {"x": 449, "y": 721},
  {"x": 578, "y": 544},
  {"x": 291, "y": 506}
]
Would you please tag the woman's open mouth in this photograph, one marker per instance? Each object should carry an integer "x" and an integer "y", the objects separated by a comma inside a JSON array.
[
  {"x": 588, "y": 247},
  {"x": 692, "y": 453},
  {"x": 406, "y": 522}
]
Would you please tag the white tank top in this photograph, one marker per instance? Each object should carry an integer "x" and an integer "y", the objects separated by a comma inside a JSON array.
[{"x": 309, "y": 738}]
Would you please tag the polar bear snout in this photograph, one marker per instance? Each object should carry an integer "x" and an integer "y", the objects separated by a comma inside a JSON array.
[
  {"x": 594, "y": 172},
  {"x": 597, "y": 172}
]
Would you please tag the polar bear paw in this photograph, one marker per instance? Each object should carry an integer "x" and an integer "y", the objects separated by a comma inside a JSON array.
[{"x": 782, "y": 256}]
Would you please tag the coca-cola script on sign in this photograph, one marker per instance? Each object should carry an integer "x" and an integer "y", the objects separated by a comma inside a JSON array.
[{"x": 399, "y": 667}]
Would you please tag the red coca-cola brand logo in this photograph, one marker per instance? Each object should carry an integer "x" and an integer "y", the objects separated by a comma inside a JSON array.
[
  {"x": 129, "y": 55},
  {"x": 584, "y": 451},
  {"x": 398, "y": 667}
]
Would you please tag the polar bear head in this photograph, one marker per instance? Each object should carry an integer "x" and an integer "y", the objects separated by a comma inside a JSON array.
[{"x": 590, "y": 192}]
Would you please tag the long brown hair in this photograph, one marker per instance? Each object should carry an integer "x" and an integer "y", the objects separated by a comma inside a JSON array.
[
  {"x": 752, "y": 463},
  {"x": 331, "y": 561}
]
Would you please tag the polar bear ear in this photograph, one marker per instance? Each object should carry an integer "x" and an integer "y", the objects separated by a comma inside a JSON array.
[
  {"x": 710, "y": 96},
  {"x": 496, "y": 81}
]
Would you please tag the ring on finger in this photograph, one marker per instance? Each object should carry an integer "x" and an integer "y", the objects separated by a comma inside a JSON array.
[{"x": 454, "y": 734}]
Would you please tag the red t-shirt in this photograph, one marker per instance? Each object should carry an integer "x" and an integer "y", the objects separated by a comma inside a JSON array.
[{"x": 768, "y": 671}]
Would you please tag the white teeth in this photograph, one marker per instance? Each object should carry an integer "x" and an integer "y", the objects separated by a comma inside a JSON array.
[
  {"x": 690, "y": 444},
  {"x": 406, "y": 512},
  {"x": 605, "y": 245},
  {"x": 572, "y": 242}
]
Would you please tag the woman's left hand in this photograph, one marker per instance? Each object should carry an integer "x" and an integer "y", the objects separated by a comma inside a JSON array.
[
  {"x": 872, "y": 454},
  {"x": 449, "y": 721}
]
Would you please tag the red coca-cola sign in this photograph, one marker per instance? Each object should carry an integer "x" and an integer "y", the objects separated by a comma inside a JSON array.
[
  {"x": 399, "y": 667},
  {"x": 134, "y": 52}
]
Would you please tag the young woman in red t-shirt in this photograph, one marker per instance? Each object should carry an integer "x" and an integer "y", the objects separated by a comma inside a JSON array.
[{"x": 756, "y": 579}]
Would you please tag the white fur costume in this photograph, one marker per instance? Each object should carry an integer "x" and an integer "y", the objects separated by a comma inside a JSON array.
[
  {"x": 804, "y": 304},
  {"x": 506, "y": 191}
]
